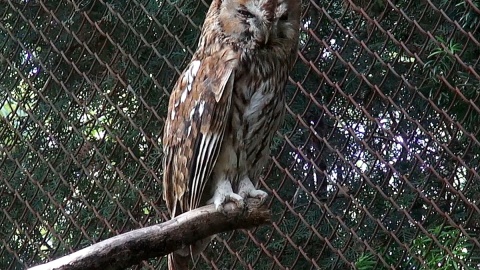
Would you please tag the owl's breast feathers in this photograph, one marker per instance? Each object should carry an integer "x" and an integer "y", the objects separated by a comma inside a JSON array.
[
  {"x": 227, "y": 92},
  {"x": 258, "y": 106}
]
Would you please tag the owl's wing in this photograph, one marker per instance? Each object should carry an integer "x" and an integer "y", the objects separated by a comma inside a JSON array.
[{"x": 197, "y": 115}]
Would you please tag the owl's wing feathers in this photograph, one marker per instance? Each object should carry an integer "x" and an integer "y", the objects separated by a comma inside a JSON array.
[{"x": 199, "y": 109}]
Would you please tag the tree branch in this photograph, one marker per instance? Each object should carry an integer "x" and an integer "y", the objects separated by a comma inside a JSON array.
[{"x": 159, "y": 240}]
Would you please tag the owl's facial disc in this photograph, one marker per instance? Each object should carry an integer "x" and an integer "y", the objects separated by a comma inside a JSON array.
[{"x": 249, "y": 22}]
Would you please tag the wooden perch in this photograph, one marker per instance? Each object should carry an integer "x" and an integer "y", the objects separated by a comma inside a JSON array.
[{"x": 159, "y": 240}]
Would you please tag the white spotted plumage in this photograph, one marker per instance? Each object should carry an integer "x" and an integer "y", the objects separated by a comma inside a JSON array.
[{"x": 201, "y": 107}]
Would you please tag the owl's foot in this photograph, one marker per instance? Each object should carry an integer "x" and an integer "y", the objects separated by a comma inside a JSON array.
[
  {"x": 246, "y": 189},
  {"x": 224, "y": 194}
]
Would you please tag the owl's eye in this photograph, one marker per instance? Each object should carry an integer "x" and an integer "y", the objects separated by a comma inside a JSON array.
[{"x": 245, "y": 13}]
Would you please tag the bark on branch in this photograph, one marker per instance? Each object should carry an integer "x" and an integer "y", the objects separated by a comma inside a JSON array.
[{"x": 159, "y": 240}]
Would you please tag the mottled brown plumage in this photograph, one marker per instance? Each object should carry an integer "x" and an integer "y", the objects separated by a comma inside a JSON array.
[{"x": 227, "y": 105}]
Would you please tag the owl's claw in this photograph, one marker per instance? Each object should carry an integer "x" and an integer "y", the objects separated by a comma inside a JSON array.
[
  {"x": 222, "y": 199},
  {"x": 259, "y": 194},
  {"x": 247, "y": 190},
  {"x": 224, "y": 195}
]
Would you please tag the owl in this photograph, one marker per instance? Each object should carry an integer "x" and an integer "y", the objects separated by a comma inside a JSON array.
[{"x": 226, "y": 107}]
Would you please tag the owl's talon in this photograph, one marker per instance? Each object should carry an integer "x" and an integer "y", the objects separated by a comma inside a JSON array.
[
  {"x": 248, "y": 190},
  {"x": 235, "y": 198},
  {"x": 259, "y": 194},
  {"x": 221, "y": 199}
]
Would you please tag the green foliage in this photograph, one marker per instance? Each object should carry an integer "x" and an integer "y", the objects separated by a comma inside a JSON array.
[
  {"x": 451, "y": 251},
  {"x": 441, "y": 59},
  {"x": 365, "y": 262}
]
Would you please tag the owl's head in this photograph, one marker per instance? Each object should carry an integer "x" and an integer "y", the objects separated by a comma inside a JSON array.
[{"x": 259, "y": 23}]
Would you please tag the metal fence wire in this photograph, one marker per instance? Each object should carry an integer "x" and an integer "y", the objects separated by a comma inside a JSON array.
[{"x": 376, "y": 166}]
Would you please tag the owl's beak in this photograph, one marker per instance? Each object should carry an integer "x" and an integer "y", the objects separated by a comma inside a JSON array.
[
  {"x": 267, "y": 37},
  {"x": 268, "y": 32},
  {"x": 264, "y": 33}
]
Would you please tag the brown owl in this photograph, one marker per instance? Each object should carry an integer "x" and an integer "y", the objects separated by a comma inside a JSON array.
[{"x": 227, "y": 105}]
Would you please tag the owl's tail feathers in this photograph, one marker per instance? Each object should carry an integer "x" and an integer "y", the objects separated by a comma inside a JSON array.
[
  {"x": 177, "y": 262},
  {"x": 179, "y": 259}
]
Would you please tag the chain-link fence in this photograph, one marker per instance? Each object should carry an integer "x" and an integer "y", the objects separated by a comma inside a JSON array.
[{"x": 376, "y": 167}]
